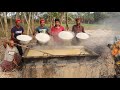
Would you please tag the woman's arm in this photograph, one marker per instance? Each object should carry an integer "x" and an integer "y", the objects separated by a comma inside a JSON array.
[
  {"x": 13, "y": 38},
  {"x": 23, "y": 31},
  {"x": 12, "y": 35},
  {"x": 50, "y": 31},
  {"x": 5, "y": 43},
  {"x": 83, "y": 29},
  {"x": 72, "y": 28}
]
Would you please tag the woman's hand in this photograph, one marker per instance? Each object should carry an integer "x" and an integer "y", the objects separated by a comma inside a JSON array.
[{"x": 6, "y": 42}]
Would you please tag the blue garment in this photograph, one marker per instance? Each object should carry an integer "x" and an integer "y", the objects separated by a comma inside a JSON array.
[
  {"x": 17, "y": 31},
  {"x": 40, "y": 29}
]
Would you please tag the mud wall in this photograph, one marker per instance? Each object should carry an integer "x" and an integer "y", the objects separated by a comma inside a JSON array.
[{"x": 75, "y": 67}]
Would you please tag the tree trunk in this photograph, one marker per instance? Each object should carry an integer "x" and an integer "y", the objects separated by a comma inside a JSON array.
[
  {"x": 66, "y": 16},
  {"x": 22, "y": 18},
  {"x": 11, "y": 24},
  {"x": 33, "y": 22},
  {"x": 17, "y": 15},
  {"x": 61, "y": 18},
  {"x": 28, "y": 23},
  {"x": 6, "y": 24},
  {"x": 28, "y": 31},
  {"x": 50, "y": 18},
  {"x": 1, "y": 24},
  {"x": 53, "y": 22}
]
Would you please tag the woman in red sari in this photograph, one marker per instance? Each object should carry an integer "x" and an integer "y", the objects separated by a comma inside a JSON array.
[{"x": 55, "y": 30}]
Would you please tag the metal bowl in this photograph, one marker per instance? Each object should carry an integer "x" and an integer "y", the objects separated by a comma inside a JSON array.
[
  {"x": 82, "y": 36},
  {"x": 24, "y": 39},
  {"x": 64, "y": 35},
  {"x": 41, "y": 38}
]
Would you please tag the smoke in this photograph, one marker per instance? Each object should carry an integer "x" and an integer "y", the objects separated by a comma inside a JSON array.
[
  {"x": 106, "y": 30},
  {"x": 112, "y": 23}
]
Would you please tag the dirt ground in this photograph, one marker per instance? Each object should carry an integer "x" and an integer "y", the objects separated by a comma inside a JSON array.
[{"x": 103, "y": 66}]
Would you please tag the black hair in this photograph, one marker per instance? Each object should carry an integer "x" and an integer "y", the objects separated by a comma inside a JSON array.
[{"x": 57, "y": 19}]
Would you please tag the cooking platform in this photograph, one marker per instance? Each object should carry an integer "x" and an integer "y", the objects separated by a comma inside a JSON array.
[{"x": 57, "y": 51}]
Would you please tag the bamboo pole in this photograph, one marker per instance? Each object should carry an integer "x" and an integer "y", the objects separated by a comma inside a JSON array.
[
  {"x": 2, "y": 24},
  {"x": 28, "y": 22},
  {"x": 6, "y": 24},
  {"x": 66, "y": 15}
]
